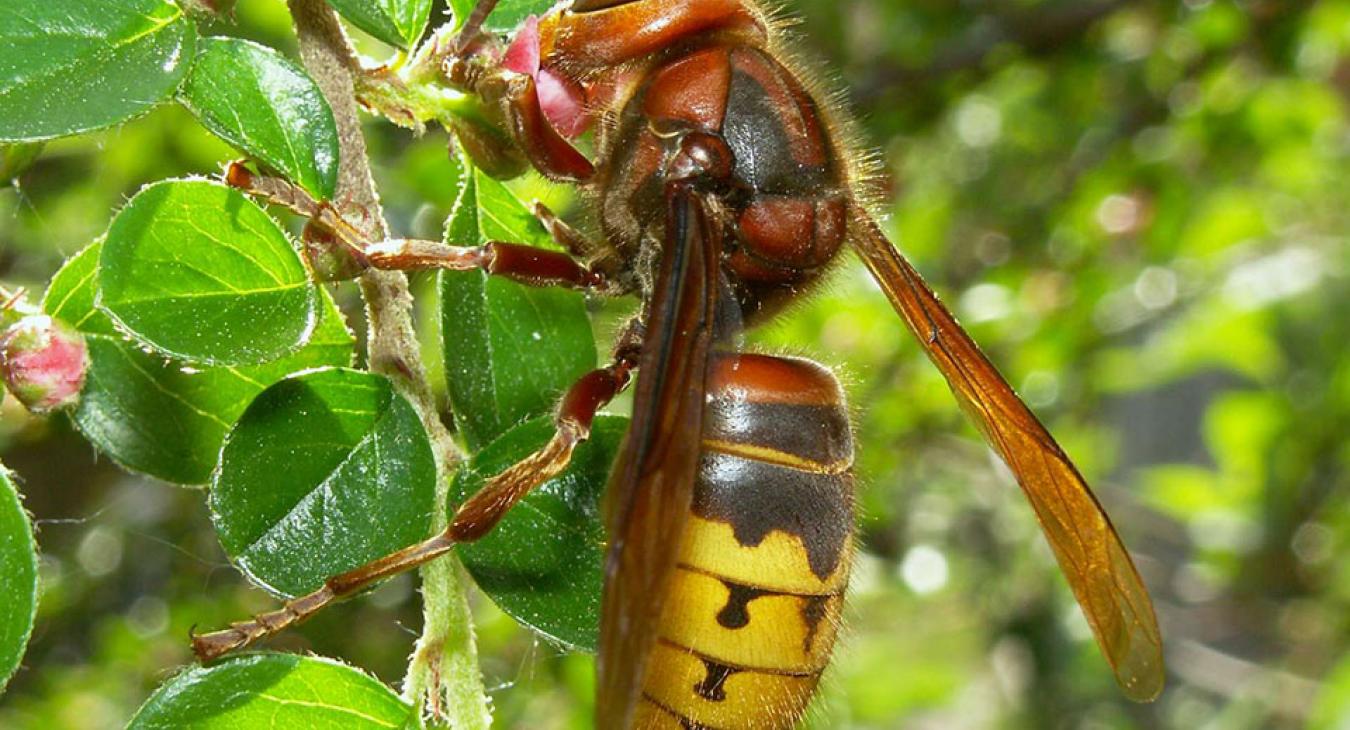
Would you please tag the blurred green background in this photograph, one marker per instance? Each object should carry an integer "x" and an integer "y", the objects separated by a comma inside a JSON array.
[{"x": 1138, "y": 207}]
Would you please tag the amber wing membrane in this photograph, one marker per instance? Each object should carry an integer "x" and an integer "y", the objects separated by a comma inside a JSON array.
[
  {"x": 652, "y": 484},
  {"x": 1089, "y": 551}
]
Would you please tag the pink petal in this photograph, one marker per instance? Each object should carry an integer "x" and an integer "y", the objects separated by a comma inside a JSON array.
[
  {"x": 563, "y": 102},
  {"x": 523, "y": 54}
]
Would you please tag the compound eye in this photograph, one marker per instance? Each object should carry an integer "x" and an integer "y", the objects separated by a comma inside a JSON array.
[{"x": 586, "y": 6}]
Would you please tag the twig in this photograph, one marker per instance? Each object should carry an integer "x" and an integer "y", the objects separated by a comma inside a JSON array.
[
  {"x": 14, "y": 305},
  {"x": 443, "y": 673}
]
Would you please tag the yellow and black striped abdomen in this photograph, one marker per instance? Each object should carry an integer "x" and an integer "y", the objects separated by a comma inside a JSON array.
[{"x": 754, "y": 606}]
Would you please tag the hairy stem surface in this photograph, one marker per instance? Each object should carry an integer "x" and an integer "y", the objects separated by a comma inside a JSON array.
[{"x": 443, "y": 675}]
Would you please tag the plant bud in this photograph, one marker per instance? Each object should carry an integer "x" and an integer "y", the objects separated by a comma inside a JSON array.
[{"x": 43, "y": 362}]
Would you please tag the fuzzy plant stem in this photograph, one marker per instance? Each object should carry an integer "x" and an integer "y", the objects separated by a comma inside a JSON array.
[
  {"x": 14, "y": 306},
  {"x": 443, "y": 675}
]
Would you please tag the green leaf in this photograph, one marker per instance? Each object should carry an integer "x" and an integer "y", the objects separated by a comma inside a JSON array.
[
  {"x": 507, "y": 15},
  {"x": 200, "y": 273},
  {"x": 71, "y": 292},
  {"x": 162, "y": 417},
  {"x": 18, "y": 578},
  {"x": 272, "y": 691},
  {"x": 70, "y": 66},
  {"x": 544, "y": 564},
  {"x": 396, "y": 22},
  {"x": 510, "y": 349},
  {"x": 252, "y": 97},
  {"x": 15, "y": 159},
  {"x": 324, "y": 472}
]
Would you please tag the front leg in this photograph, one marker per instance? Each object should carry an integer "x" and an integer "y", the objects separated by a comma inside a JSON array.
[
  {"x": 338, "y": 249},
  {"x": 516, "y": 261}
]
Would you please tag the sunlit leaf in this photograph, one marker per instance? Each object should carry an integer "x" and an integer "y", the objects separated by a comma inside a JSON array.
[
  {"x": 272, "y": 691},
  {"x": 396, "y": 22},
  {"x": 70, "y": 66},
  {"x": 267, "y": 106},
  {"x": 199, "y": 272},
  {"x": 324, "y": 472},
  {"x": 162, "y": 417},
  {"x": 18, "y": 578},
  {"x": 510, "y": 349}
]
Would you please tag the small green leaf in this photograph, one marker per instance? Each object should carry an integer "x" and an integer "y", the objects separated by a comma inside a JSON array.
[
  {"x": 396, "y": 22},
  {"x": 252, "y": 97},
  {"x": 70, "y": 294},
  {"x": 18, "y": 578},
  {"x": 15, "y": 159},
  {"x": 200, "y": 273},
  {"x": 70, "y": 66},
  {"x": 324, "y": 472},
  {"x": 180, "y": 414},
  {"x": 411, "y": 17},
  {"x": 544, "y": 564},
  {"x": 272, "y": 691},
  {"x": 507, "y": 15},
  {"x": 510, "y": 349}
]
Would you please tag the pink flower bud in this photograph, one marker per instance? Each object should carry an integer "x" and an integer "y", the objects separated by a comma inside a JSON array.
[{"x": 43, "y": 362}]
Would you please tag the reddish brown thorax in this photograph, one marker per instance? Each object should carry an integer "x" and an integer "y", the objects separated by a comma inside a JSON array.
[{"x": 658, "y": 71}]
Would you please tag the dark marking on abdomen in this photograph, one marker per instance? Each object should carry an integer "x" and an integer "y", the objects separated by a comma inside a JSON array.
[
  {"x": 813, "y": 612},
  {"x": 736, "y": 614},
  {"x": 713, "y": 686},
  {"x": 756, "y": 498},
  {"x": 817, "y": 433}
]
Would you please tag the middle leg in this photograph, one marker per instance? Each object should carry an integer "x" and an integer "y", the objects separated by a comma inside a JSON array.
[{"x": 576, "y": 414}]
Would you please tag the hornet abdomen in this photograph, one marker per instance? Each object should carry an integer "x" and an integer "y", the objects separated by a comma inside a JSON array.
[{"x": 754, "y": 606}]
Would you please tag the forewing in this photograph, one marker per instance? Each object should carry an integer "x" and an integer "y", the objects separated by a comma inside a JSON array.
[
  {"x": 652, "y": 484},
  {"x": 1089, "y": 551}
]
